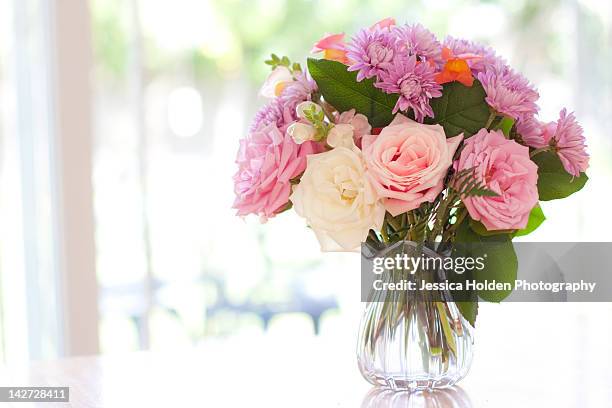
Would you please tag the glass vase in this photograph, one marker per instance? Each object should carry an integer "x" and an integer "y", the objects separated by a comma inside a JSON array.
[{"x": 413, "y": 340}]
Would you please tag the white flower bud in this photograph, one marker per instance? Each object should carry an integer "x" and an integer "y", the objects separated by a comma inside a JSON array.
[
  {"x": 301, "y": 132},
  {"x": 306, "y": 105}
]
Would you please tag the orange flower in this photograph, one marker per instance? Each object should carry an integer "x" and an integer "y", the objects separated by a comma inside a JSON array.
[
  {"x": 333, "y": 48},
  {"x": 456, "y": 68}
]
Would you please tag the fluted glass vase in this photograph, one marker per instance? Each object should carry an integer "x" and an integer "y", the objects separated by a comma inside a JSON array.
[{"x": 413, "y": 340}]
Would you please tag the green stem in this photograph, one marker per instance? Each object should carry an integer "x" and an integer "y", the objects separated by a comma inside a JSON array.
[
  {"x": 492, "y": 117},
  {"x": 540, "y": 150}
]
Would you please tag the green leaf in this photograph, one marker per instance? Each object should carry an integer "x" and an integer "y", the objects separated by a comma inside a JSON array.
[
  {"x": 553, "y": 181},
  {"x": 469, "y": 310},
  {"x": 340, "y": 88},
  {"x": 505, "y": 125},
  {"x": 500, "y": 261},
  {"x": 460, "y": 109},
  {"x": 479, "y": 228},
  {"x": 536, "y": 218}
]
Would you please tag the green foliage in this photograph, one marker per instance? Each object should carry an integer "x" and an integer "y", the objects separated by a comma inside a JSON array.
[
  {"x": 469, "y": 309},
  {"x": 480, "y": 229},
  {"x": 465, "y": 184},
  {"x": 501, "y": 263},
  {"x": 460, "y": 109},
  {"x": 553, "y": 181},
  {"x": 276, "y": 62},
  {"x": 505, "y": 125},
  {"x": 536, "y": 218},
  {"x": 340, "y": 88}
]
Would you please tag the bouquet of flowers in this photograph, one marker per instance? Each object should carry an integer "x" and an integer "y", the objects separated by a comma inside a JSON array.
[{"x": 394, "y": 135}]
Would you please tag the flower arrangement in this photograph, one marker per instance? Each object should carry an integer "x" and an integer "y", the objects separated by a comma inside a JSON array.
[{"x": 394, "y": 135}]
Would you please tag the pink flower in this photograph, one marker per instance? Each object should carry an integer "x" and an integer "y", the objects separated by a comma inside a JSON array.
[
  {"x": 569, "y": 143},
  {"x": 333, "y": 48},
  {"x": 534, "y": 133},
  {"x": 407, "y": 162},
  {"x": 509, "y": 92},
  {"x": 359, "y": 122},
  {"x": 267, "y": 161},
  {"x": 414, "y": 81},
  {"x": 505, "y": 167},
  {"x": 564, "y": 136},
  {"x": 371, "y": 52}
]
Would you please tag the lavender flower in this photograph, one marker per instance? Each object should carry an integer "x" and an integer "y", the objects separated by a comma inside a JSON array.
[
  {"x": 281, "y": 110},
  {"x": 531, "y": 132},
  {"x": 272, "y": 112},
  {"x": 569, "y": 142},
  {"x": 414, "y": 82},
  {"x": 371, "y": 51},
  {"x": 417, "y": 40},
  {"x": 300, "y": 90},
  {"x": 508, "y": 92}
]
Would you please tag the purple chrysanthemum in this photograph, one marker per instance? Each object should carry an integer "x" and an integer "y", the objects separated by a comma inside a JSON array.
[
  {"x": 414, "y": 82},
  {"x": 281, "y": 110},
  {"x": 489, "y": 58},
  {"x": 417, "y": 40},
  {"x": 569, "y": 143},
  {"x": 531, "y": 131},
  {"x": 300, "y": 90},
  {"x": 371, "y": 51},
  {"x": 509, "y": 92},
  {"x": 272, "y": 112}
]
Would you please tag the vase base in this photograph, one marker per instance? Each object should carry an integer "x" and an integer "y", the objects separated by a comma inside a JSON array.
[{"x": 410, "y": 384}]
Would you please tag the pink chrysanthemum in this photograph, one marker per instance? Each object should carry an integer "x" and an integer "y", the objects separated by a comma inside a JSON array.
[
  {"x": 272, "y": 112},
  {"x": 281, "y": 110},
  {"x": 508, "y": 92},
  {"x": 531, "y": 131},
  {"x": 300, "y": 90},
  {"x": 417, "y": 40},
  {"x": 489, "y": 58},
  {"x": 414, "y": 82},
  {"x": 371, "y": 52},
  {"x": 569, "y": 143}
]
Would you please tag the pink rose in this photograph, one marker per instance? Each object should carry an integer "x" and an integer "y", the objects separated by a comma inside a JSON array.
[
  {"x": 359, "y": 122},
  {"x": 267, "y": 161},
  {"x": 505, "y": 167},
  {"x": 407, "y": 162}
]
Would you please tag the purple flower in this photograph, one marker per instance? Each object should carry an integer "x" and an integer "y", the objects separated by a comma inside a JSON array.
[
  {"x": 509, "y": 92},
  {"x": 300, "y": 90},
  {"x": 414, "y": 81},
  {"x": 281, "y": 110},
  {"x": 489, "y": 58},
  {"x": 569, "y": 143},
  {"x": 371, "y": 51},
  {"x": 417, "y": 40},
  {"x": 271, "y": 112}
]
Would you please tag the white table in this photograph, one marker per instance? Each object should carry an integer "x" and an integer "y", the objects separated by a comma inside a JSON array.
[{"x": 527, "y": 360}]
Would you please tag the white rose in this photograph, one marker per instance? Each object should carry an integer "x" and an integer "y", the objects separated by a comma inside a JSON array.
[
  {"x": 337, "y": 200},
  {"x": 301, "y": 132}
]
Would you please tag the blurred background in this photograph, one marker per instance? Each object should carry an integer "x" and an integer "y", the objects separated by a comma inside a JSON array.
[{"x": 119, "y": 124}]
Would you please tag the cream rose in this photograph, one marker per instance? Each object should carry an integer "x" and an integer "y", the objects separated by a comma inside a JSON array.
[
  {"x": 407, "y": 162},
  {"x": 337, "y": 200}
]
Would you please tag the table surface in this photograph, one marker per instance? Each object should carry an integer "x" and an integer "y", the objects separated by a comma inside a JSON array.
[{"x": 537, "y": 364}]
